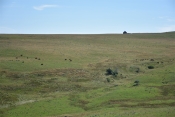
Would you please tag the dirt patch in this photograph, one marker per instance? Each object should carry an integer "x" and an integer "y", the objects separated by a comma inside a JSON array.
[
  {"x": 136, "y": 103},
  {"x": 148, "y": 105},
  {"x": 57, "y": 72},
  {"x": 119, "y": 101},
  {"x": 168, "y": 90}
]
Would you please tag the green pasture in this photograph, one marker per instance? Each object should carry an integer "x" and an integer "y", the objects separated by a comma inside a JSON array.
[{"x": 66, "y": 75}]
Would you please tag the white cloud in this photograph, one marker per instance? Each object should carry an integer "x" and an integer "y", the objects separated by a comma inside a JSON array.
[
  {"x": 167, "y": 28},
  {"x": 42, "y": 7}
]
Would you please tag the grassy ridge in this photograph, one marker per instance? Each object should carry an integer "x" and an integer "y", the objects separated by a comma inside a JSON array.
[{"x": 64, "y": 75}]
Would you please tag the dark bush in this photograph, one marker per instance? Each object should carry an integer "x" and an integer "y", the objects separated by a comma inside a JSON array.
[
  {"x": 150, "y": 67},
  {"x": 136, "y": 83},
  {"x": 109, "y": 72}
]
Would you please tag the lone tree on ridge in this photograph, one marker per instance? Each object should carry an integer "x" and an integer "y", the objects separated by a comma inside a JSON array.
[{"x": 124, "y": 32}]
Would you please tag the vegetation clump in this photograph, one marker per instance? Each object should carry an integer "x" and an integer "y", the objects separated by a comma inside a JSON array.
[
  {"x": 150, "y": 67},
  {"x": 111, "y": 72},
  {"x": 136, "y": 83}
]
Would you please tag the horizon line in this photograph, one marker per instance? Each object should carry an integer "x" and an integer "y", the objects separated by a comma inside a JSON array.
[{"x": 83, "y": 33}]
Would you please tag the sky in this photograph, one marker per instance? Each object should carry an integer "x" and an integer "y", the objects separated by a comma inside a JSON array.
[{"x": 86, "y": 16}]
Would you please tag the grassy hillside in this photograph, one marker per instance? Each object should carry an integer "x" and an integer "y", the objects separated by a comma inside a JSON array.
[{"x": 101, "y": 75}]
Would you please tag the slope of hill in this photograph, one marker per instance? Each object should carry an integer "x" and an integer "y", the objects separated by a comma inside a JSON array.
[{"x": 102, "y": 75}]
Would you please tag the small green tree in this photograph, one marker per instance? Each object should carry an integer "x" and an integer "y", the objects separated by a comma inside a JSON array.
[{"x": 124, "y": 32}]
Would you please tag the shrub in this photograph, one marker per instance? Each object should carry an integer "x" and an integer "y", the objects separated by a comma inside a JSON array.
[
  {"x": 136, "y": 83},
  {"x": 150, "y": 67},
  {"x": 109, "y": 72}
]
